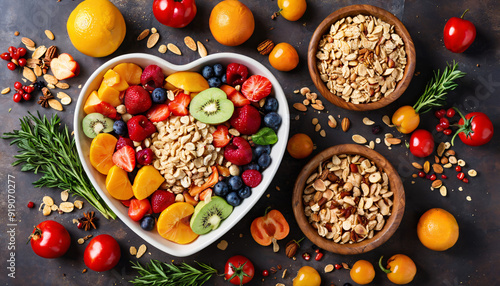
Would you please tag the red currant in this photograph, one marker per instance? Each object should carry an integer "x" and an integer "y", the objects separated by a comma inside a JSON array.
[
  {"x": 11, "y": 66},
  {"x": 465, "y": 180},
  {"x": 20, "y": 91},
  {"x": 460, "y": 176},
  {"x": 421, "y": 174},
  {"x": 31, "y": 205},
  {"x": 28, "y": 88},
  {"x": 22, "y": 62},
  {"x": 444, "y": 177},
  {"x": 458, "y": 168},
  {"x": 11, "y": 50},
  {"x": 338, "y": 266},
  {"x": 5, "y": 56},
  {"x": 318, "y": 256},
  {"x": 21, "y": 51},
  {"x": 15, "y": 55},
  {"x": 450, "y": 113},
  {"x": 439, "y": 128},
  {"x": 18, "y": 85},
  {"x": 265, "y": 273},
  {"x": 79, "y": 225},
  {"x": 26, "y": 96},
  {"x": 444, "y": 123},
  {"x": 440, "y": 113},
  {"x": 447, "y": 131},
  {"x": 432, "y": 177},
  {"x": 17, "y": 97}
]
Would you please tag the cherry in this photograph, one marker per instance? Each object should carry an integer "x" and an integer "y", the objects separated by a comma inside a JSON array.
[
  {"x": 17, "y": 97},
  {"x": 22, "y": 62},
  {"x": 11, "y": 66},
  {"x": 447, "y": 131},
  {"x": 338, "y": 266},
  {"x": 11, "y": 50},
  {"x": 28, "y": 88},
  {"x": 450, "y": 113},
  {"x": 31, "y": 205},
  {"x": 265, "y": 273},
  {"x": 18, "y": 85},
  {"x": 21, "y": 51},
  {"x": 14, "y": 55},
  {"x": 458, "y": 168},
  {"x": 444, "y": 177},
  {"x": 460, "y": 176},
  {"x": 465, "y": 180},
  {"x": 421, "y": 174},
  {"x": 5, "y": 56},
  {"x": 444, "y": 123},
  {"x": 440, "y": 113},
  {"x": 26, "y": 96},
  {"x": 20, "y": 91},
  {"x": 439, "y": 128},
  {"x": 432, "y": 177}
]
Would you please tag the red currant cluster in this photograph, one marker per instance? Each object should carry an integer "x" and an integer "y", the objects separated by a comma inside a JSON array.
[
  {"x": 22, "y": 92},
  {"x": 461, "y": 175},
  {"x": 444, "y": 123},
  {"x": 14, "y": 57}
]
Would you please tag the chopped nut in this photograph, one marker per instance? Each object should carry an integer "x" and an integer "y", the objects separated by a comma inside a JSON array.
[
  {"x": 78, "y": 204},
  {"x": 276, "y": 246},
  {"x": 48, "y": 200},
  {"x": 81, "y": 241},
  {"x": 367, "y": 121},
  {"x": 461, "y": 163},
  {"x": 265, "y": 47},
  {"x": 222, "y": 245},
  {"x": 64, "y": 195},
  {"x": 133, "y": 251}
]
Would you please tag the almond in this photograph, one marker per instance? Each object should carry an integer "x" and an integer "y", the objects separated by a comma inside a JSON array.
[
  {"x": 38, "y": 53},
  {"x": 55, "y": 104},
  {"x": 28, "y": 42},
  {"x": 152, "y": 40},
  {"x": 368, "y": 121},
  {"x": 332, "y": 123},
  {"x": 29, "y": 74},
  {"x": 202, "y": 51},
  {"x": 50, "y": 79},
  {"x": 299, "y": 106},
  {"x": 345, "y": 124},
  {"x": 174, "y": 49},
  {"x": 140, "y": 252},
  {"x": 393, "y": 141},
  {"x": 440, "y": 149},
  {"x": 437, "y": 168},
  {"x": 416, "y": 165},
  {"x": 5, "y": 90},
  {"x": 427, "y": 167},
  {"x": 317, "y": 106},
  {"x": 386, "y": 120},
  {"x": 436, "y": 184},
  {"x": 190, "y": 43},
  {"x": 49, "y": 34},
  {"x": 143, "y": 35},
  {"x": 359, "y": 139}
]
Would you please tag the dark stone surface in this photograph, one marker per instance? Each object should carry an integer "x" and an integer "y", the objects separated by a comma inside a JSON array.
[{"x": 472, "y": 261}]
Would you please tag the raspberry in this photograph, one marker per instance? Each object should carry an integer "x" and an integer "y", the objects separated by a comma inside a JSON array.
[
  {"x": 246, "y": 120},
  {"x": 139, "y": 127},
  {"x": 239, "y": 152},
  {"x": 152, "y": 77},
  {"x": 145, "y": 157},
  {"x": 236, "y": 74},
  {"x": 251, "y": 178}
]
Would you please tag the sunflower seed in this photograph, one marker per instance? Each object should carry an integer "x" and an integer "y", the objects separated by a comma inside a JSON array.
[
  {"x": 190, "y": 43},
  {"x": 201, "y": 49},
  {"x": 174, "y": 49}
]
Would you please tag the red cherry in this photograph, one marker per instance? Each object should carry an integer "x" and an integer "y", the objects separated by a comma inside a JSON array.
[
  {"x": 26, "y": 96},
  {"x": 338, "y": 266},
  {"x": 460, "y": 176},
  {"x": 444, "y": 176},
  {"x": 20, "y": 91},
  {"x": 22, "y": 62},
  {"x": 5, "y": 56},
  {"x": 17, "y": 97},
  {"x": 450, "y": 112},
  {"x": 265, "y": 273},
  {"x": 421, "y": 174},
  {"x": 432, "y": 177},
  {"x": 31, "y": 205},
  {"x": 21, "y": 51},
  {"x": 28, "y": 88},
  {"x": 11, "y": 66},
  {"x": 11, "y": 50},
  {"x": 439, "y": 128},
  {"x": 18, "y": 85},
  {"x": 465, "y": 180},
  {"x": 14, "y": 55},
  {"x": 440, "y": 113},
  {"x": 447, "y": 131},
  {"x": 458, "y": 168},
  {"x": 444, "y": 123}
]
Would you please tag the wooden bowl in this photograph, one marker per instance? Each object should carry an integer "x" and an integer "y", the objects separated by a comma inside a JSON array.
[
  {"x": 354, "y": 10},
  {"x": 391, "y": 224}
]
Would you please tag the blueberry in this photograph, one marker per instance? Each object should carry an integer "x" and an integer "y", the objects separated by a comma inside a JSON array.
[
  {"x": 219, "y": 70},
  {"x": 235, "y": 183},
  {"x": 272, "y": 120},
  {"x": 159, "y": 95},
  {"x": 233, "y": 199},
  {"x": 347, "y": 284},
  {"x": 223, "y": 78},
  {"x": 271, "y": 105},
  {"x": 245, "y": 192},
  {"x": 148, "y": 222},
  {"x": 264, "y": 161},
  {"x": 221, "y": 189},
  {"x": 251, "y": 166},
  {"x": 207, "y": 72},
  {"x": 120, "y": 128},
  {"x": 261, "y": 149},
  {"x": 214, "y": 82}
]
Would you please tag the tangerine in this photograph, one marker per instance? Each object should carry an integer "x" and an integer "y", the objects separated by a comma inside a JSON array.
[
  {"x": 300, "y": 146},
  {"x": 362, "y": 272},
  {"x": 284, "y": 57},
  {"x": 173, "y": 223},
  {"x": 231, "y": 23},
  {"x": 437, "y": 229}
]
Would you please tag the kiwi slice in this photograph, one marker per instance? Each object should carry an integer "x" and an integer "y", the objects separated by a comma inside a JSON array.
[
  {"x": 95, "y": 123},
  {"x": 211, "y": 106},
  {"x": 207, "y": 216}
]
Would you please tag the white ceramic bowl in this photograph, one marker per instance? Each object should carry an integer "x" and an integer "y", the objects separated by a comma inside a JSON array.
[{"x": 98, "y": 180}]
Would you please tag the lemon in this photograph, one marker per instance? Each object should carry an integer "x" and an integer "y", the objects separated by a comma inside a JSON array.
[{"x": 96, "y": 28}]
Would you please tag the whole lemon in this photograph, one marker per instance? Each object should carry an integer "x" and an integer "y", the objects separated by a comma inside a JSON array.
[
  {"x": 96, "y": 28},
  {"x": 437, "y": 229},
  {"x": 231, "y": 23}
]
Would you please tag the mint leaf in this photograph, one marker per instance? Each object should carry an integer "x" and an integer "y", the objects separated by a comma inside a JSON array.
[{"x": 265, "y": 136}]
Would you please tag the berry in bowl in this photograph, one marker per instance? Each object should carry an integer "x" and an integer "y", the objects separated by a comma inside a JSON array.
[{"x": 180, "y": 152}]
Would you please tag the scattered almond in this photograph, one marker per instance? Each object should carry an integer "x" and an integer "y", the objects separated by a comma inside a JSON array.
[
  {"x": 317, "y": 106},
  {"x": 222, "y": 245},
  {"x": 436, "y": 184},
  {"x": 447, "y": 165},
  {"x": 345, "y": 124},
  {"x": 174, "y": 49},
  {"x": 162, "y": 49},
  {"x": 427, "y": 167},
  {"x": 49, "y": 34},
  {"x": 64, "y": 195},
  {"x": 143, "y": 35},
  {"x": 443, "y": 191},
  {"x": 5, "y": 90},
  {"x": 55, "y": 104},
  {"x": 29, "y": 74},
  {"x": 190, "y": 43},
  {"x": 152, "y": 40},
  {"x": 67, "y": 207},
  {"x": 133, "y": 251},
  {"x": 393, "y": 141},
  {"x": 202, "y": 51},
  {"x": 65, "y": 98},
  {"x": 46, "y": 210},
  {"x": 38, "y": 71},
  {"x": 299, "y": 106},
  {"x": 386, "y": 120},
  {"x": 359, "y": 139},
  {"x": 28, "y": 42},
  {"x": 329, "y": 268},
  {"x": 332, "y": 123},
  {"x": 440, "y": 149},
  {"x": 437, "y": 168},
  {"x": 38, "y": 53},
  {"x": 48, "y": 200},
  {"x": 50, "y": 79},
  {"x": 62, "y": 85},
  {"x": 416, "y": 165},
  {"x": 345, "y": 265},
  {"x": 78, "y": 204},
  {"x": 140, "y": 252},
  {"x": 367, "y": 121},
  {"x": 436, "y": 159},
  {"x": 304, "y": 90}
]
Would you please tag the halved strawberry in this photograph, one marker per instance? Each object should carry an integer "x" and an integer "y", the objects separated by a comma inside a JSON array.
[
  {"x": 158, "y": 112},
  {"x": 125, "y": 158},
  {"x": 221, "y": 136},
  {"x": 235, "y": 96},
  {"x": 256, "y": 88},
  {"x": 179, "y": 106},
  {"x": 64, "y": 67}
]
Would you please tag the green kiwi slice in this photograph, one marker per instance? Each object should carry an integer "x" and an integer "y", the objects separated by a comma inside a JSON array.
[
  {"x": 207, "y": 216},
  {"x": 95, "y": 123},
  {"x": 211, "y": 106}
]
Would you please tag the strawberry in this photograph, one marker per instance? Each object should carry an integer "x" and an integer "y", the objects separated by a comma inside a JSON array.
[
  {"x": 236, "y": 74},
  {"x": 137, "y": 99},
  {"x": 158, "y": 113},
  {"x": 221, "y": 136},
  {"x": 122, "y": 141},
  {"x": 246, "y": 120},
  {"x": 235, "y": 96},
  {"x": 239, "y": 152},
  {"x": 179, "y": 106},
  {"x": 152, "y": 77},
  {"x": 161, "y": 199},
  {"x": 125, "y": 158},
  {"x": 251, "y": 178},
  {"x": 256, "y": 88},
  {"x": 139, "y": 127},
  {"x": 64, "y": 66}
]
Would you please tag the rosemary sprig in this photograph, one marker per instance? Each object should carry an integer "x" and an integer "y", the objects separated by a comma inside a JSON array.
[
  {"x": 436, "y": 90},
  {"x": 168, "y": 274},
  {"x": 46, "y": 148}
]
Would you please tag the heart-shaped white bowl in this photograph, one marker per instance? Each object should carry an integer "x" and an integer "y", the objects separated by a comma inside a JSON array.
[{"x": 98, "y": 180}]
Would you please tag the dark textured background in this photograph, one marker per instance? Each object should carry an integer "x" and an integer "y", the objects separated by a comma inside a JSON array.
[{"x": 472, "y": 261}]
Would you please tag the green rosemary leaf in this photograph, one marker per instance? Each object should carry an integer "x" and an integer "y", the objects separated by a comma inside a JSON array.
[{"x": 169, "y": 274}]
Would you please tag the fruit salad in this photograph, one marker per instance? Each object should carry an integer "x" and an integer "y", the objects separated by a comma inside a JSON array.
[{"x": 181, "y": 150}]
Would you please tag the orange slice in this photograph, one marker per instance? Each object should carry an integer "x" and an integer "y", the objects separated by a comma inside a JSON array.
[
  {"x": 101, "y": 152},
  {"x": 173, "y": 223},
  {"x": 118, "y": 184}
]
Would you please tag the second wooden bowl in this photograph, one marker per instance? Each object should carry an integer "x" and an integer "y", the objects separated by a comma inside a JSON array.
[{"x": 391, "y": 224}]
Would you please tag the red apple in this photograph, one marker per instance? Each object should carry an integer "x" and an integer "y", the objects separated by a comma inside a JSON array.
[{"x": 64, "y": 67}]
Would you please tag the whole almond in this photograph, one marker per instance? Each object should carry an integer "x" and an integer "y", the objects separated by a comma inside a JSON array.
[
  {"x": 29, "y": 74},
  {"x": 38, "y": 53},
  {"x": 359, "y": 139},
  {"x": 440, "y": 149},
  {"x": 62, "y": 85},
  {"x": 143, "y": 35},
  {"x": 50, "y": 79},
  {"x": 202, "y": 51},
  {"x": 5, "y": 90},
  {"x": 152, "y": 40},
  {"x": 28, "y": 42},
  {"x": 174, "y": 49},
  {"x": 332, "y": 123},
  {"x": 55, "y": 104},
  {"x": 345, "y": 124},
  {"x": 444, "y": 160},
  {"x": 436, "y": 184},
  {"x": 393, "y": 141},
  {"x": 317, "y": 106},
  {"x": 49, "y": 34},
  {"x": 437, "y": 168},
  {"x": 416, "y": 165},
  {"x": 427, "y": 167},
  {"x": 299, "y": 106},
  {"x": 190, "y": 43}
]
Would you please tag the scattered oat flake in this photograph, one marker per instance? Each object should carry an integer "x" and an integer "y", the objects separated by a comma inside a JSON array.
[
  {"x": 140, "y": 252},
  {"x": 133, "y": 250},
  {"x": 190, "y": 43},
  {"x": 222, "y": 245}
]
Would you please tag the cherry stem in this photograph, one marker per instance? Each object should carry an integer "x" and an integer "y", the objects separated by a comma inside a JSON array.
[
  {"x": 298, "y": 242},
  {"x": 461, "y": 17},
  {"x": 382, "y": 267},
  {"x": 266, "y": 211}
]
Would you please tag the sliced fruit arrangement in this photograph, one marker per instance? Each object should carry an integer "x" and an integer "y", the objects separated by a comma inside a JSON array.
[{"x": 124, "y": 117}]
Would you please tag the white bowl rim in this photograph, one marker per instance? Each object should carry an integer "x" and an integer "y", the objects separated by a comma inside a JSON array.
[{"x": 268, "y": 175}]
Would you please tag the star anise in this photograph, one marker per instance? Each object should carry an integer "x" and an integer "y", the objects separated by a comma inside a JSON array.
[
  {"x": 88, "y": 220},
  {"x": 44, "y": 100}
]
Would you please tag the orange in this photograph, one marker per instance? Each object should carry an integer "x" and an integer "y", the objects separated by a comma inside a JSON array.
[
  {"x": 231, "y": 23},
  {"x": 300, "y": 146},
  {"x": 101, "y": 152},
  {"x": 437, "y": 229},
  {"x": 362, "y": 272},
  {"x": 118, "y": 184},
  {"x": 146, "y": 182},
  {"x": 96, "y": 28},
  {"x": 284, "y": 57},
  {"x": 173, "y": 223},
  {"x": 307, "y": 276},
  {"x": 130, "y": 72}
]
